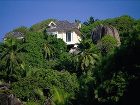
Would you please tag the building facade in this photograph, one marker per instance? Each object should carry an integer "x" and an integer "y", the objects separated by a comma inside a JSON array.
[{"x": 65, "y": 30}]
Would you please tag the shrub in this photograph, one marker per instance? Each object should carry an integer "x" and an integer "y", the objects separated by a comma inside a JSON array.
[
  {"x": 107, "y": 44},
  {"x": 44, "y": 78}
]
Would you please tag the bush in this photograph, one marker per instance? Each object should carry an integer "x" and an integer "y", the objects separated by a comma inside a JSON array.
[
  {"x": 66, "y": 62},
  {"x": 58, "y": 44},
  {"x": 41, "y": 79},
  {"x": 85, "y": 95},
  {"x": 34, "y": 45},
  {"x": 31, "y": 103},
  {"x": 107, "y": 44},
  {"x": 111, "y": 90},
  {"x": 60, "y": 97}
]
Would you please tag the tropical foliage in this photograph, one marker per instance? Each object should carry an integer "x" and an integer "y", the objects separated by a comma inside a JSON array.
[
  {"x": 10, "y": 56},
  {"x": 107, "y": 44},
  {"x": 41, "y": 70}
]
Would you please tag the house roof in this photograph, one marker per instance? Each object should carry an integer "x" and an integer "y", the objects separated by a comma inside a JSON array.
[
  {"x": 14, "y": 34},
  {"x": 64, "y": 26}
]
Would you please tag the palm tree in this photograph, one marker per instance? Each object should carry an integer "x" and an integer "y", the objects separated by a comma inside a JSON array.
[
  {"x": 48, "y": 51},
  {"x": 60, "y": 97},
  {"x": 87, "y": 59},
  {"x": 9, "y": 54}
]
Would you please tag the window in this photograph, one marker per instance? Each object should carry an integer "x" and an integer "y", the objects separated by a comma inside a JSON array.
[{"x": 68, "y": 37}]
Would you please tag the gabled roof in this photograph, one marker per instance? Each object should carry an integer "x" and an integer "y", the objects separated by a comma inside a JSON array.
[{"x": 64, "y": 26}]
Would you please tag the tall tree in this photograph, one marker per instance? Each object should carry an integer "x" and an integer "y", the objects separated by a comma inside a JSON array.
[
  {"x": 9, "y": 54},
  {"x": 91, "y": 20},
  {"x": 87, "y": 58},
  {"x": 48, "y": 50},
  {"x": 34, "y": 44}
]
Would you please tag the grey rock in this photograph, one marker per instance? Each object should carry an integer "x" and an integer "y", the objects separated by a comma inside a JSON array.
[
  {"x": 101, "y": 30},
  {"x": 6, "y": 97}
]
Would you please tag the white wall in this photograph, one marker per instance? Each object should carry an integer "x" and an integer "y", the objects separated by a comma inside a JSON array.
[{"x": 74, "y": 37}]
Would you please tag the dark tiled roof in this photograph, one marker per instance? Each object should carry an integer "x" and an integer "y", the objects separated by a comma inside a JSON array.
[
  {"x": 14, "y": 34},
  {"x": 64, "y": 26}
]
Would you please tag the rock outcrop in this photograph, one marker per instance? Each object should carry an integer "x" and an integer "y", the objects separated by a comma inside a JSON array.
[
  {"x": 6, "y": 97},
  {"x": 101, "y": 30}
]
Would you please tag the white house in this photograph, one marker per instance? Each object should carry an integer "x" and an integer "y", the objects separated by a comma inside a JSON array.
[{"x": 65, "y": 30}]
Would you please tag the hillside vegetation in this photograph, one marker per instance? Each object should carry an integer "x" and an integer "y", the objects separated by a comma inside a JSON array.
[{"x": 102, "y": 73}]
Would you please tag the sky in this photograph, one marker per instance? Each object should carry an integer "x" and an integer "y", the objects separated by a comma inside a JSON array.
[{"x": 16, "y": 13}]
